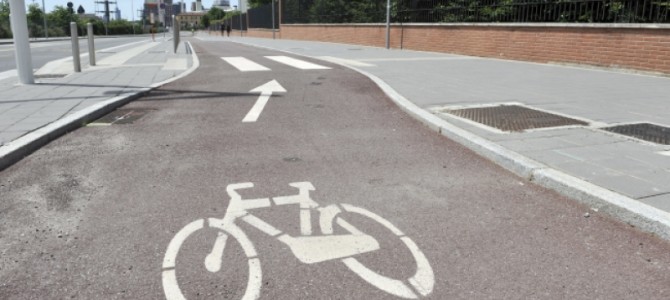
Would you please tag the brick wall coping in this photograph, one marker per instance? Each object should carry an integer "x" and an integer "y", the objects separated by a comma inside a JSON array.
[{"x": 544, "y": 25}]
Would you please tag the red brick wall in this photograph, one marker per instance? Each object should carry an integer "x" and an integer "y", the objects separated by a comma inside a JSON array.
[{"x": 629, "y": 47}]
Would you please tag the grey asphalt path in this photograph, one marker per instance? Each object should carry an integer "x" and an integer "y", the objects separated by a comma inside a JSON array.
[
  {"x": 636, "y": 169},
  {"x": 90, "y": 215},
  {"x": 31, "y": 113}
]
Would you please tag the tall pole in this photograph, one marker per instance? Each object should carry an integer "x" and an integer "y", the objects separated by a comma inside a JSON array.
[
  {"x": 273, "y": 19},
  {"x": 19, "y": 23},
  {"x": 388, "y": 24},
  {"x": 132, "y": 12},
  {"x": 46, "y": 30}
]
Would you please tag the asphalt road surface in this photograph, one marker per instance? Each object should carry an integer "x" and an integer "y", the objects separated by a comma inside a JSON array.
[{"x": 383, "y": 206}]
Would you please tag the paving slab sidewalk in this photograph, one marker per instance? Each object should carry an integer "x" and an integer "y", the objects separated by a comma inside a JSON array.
[
  {"x": 601, "y": 167},
  {"x": 60, "y": 100}
]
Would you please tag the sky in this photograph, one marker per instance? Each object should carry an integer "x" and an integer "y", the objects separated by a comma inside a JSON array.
[{"x": 126, "y": 6}]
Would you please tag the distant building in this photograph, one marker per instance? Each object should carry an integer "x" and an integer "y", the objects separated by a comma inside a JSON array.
[
  {"x": 117, "y": 14},
  {"x": 222, "y": 5},
  {"x": 244, "y": 5},
  {"x": 156, "y": 7},
  {"x": 189, "y": 19}
]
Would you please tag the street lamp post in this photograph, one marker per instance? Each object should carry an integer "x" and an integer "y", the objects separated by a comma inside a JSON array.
[
  {"x": 19, "y": 23},
  {"x": 273, "y": 19},
  {"x": 388, "y": 24},
  {"x": 44, "y": 16}
]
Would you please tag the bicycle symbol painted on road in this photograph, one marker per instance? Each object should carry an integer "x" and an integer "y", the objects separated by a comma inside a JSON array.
[{"x": 308, "y": 248}]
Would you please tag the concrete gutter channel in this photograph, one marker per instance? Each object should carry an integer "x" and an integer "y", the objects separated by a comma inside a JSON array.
[
  {"x": 635, "y": 213},
  {"x": 25, "y": 145}
]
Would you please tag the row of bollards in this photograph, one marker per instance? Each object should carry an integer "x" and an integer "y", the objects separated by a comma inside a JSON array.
[{"x": 74, "y": 34}]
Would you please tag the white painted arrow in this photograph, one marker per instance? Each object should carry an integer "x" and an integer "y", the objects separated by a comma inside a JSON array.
[{"x": 266, "y": 91}]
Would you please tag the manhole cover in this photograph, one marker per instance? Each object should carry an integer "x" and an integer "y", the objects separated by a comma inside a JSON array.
[
  {"x": 513, "y": 117},
  {"x": 121, "y": 116},
  {"x": 49, "y": 76},
  {"x": 644, "y": 131}
]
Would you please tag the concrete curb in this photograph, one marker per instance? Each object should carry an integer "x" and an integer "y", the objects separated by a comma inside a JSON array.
[
  {"x": 628, "y": 210},
  {"x": 647, "y": 218},
  {"x": 17, "y": 149}
]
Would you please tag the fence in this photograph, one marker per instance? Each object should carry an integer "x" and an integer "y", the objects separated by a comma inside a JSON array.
[
  {"x": 261, "y": 17},
  {"x": 239, "y": 21},
  {"x": 443, "y": 11}
]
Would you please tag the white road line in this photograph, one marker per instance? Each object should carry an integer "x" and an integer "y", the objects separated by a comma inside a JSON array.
[
  {"x": 266, "y": 91},
  {"x": 244, "y": 64},
  {"x": 349, "y": 62},
  {"x": 392, "y": 286},
  {"x": 296, "y": 63},
  {"x": 255, "y": 112}
]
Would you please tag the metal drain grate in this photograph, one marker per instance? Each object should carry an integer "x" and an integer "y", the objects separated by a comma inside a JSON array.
[
  {"x": 644, "y": 131},
  {"x": 121, "y": 116},
  {"x": 513, "y": 117}
]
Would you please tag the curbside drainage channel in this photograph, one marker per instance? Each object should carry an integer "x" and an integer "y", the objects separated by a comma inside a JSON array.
[{"x": 16, "y": 150}]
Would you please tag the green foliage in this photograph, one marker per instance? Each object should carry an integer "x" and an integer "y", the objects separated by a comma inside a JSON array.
[
  {"x": 215, "y": 13},
  {"x": 5, "y": 31},
  {"x": 205, "y": 21},
  {"x": 257, "y": 3},
  {"x": 59, "y": 20},
  {"x": 35, "y": 20}
]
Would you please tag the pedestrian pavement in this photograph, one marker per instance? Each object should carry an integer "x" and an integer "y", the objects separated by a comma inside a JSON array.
[
  {"x": 61, "y": 99},
  {"x": 612, "y": 173}
]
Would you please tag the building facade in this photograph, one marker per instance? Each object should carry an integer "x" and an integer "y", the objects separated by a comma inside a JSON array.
[{"x": 190, "y": 19}]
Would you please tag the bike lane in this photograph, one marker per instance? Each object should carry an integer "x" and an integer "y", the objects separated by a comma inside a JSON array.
[{"x": 92, "y": 214}]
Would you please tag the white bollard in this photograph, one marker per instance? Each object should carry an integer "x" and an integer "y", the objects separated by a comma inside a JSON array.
[
  {"x": 74, "y": 34},
  {"x": 91, "y": 45},
  {"x": 19, "y": 23}
]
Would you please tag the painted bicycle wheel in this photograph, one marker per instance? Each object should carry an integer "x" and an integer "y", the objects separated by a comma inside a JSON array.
[
  {"x": 213, "y": 261},
  {"x": 419, "y": 285}
]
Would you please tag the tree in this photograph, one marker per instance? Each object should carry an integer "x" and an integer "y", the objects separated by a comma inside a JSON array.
[
  {"x": 35, "y": 18},
  {"x": 5, "y": 31},
  {"x": 59, "y": 20},
  {"x": 329, "y": 11},
  {"x": 257, "y": 3},
  {"x": 205, "y": 21},
  {"x": 216, "y": 13}
]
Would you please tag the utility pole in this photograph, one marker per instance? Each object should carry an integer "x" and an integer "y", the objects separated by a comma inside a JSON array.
[
  {"x": 46, "y": 30},
  {"x": 19, "y": 23},
  {"x": 388, "y": 24},
  {"x": 273, "y": 19}
]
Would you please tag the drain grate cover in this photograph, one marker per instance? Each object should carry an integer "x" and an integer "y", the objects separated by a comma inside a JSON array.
[
  {"x": 513, "y": 117},
  {"x": 121, "y": 116},
  {"x": 644, "y": 131}
]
